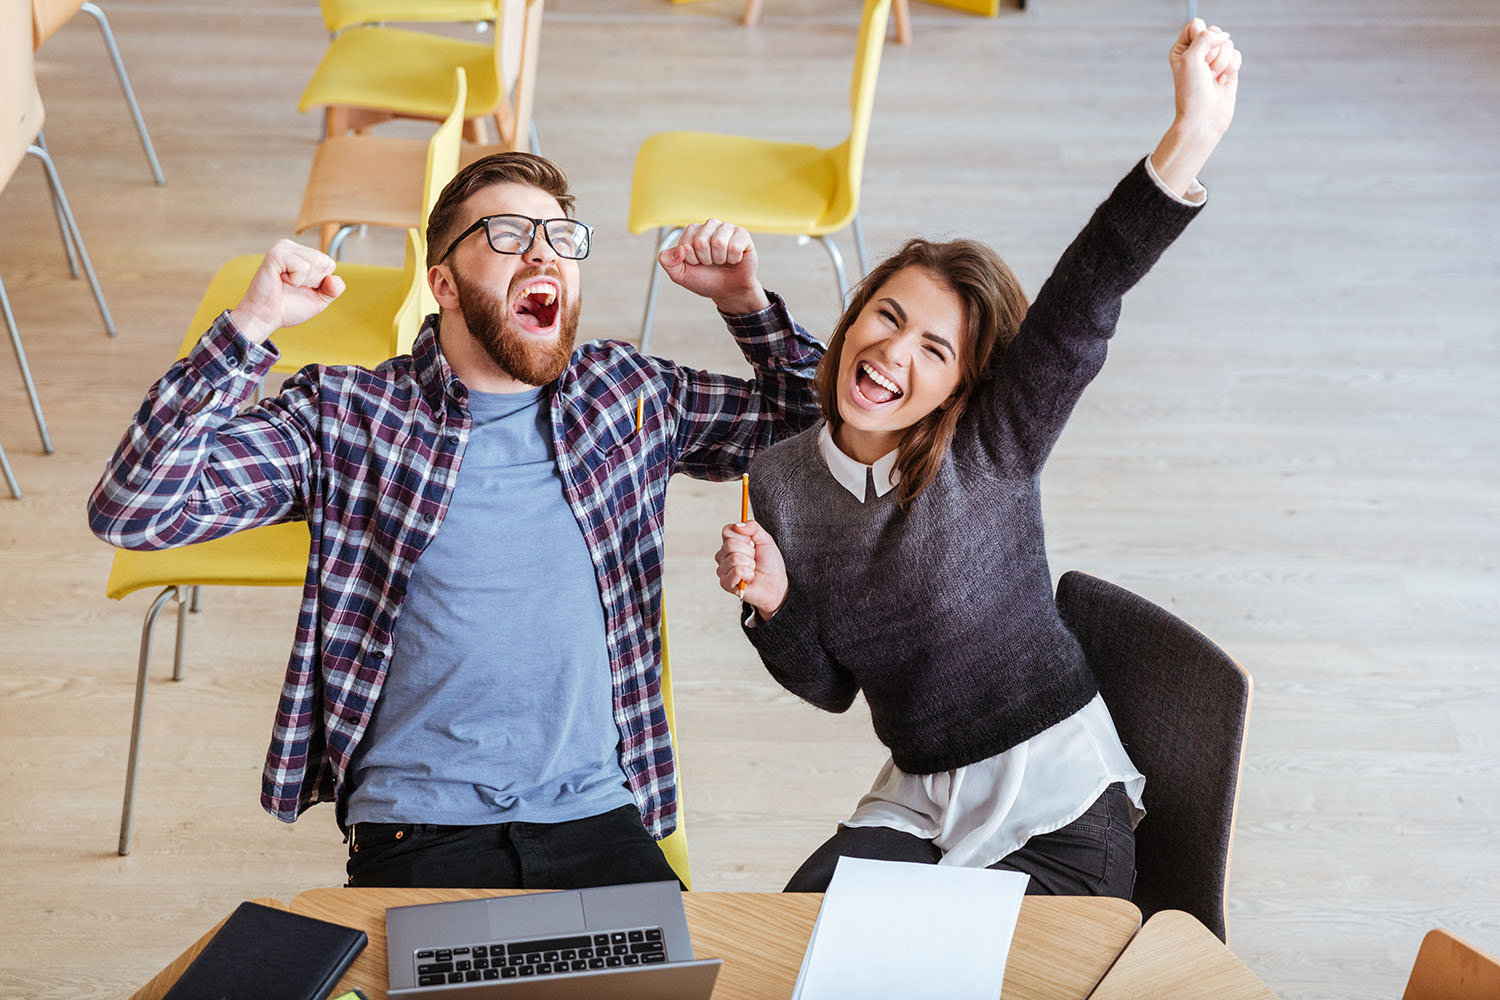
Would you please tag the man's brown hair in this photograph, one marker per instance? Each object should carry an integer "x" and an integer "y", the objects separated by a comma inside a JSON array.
[
  {"x": 499, "y": 168},
  {"x": 994, "y": 305}
]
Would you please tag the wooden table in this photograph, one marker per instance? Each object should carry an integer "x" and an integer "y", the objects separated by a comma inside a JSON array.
[
  {"x": 1062, "y": 947},
  {"x": 1174, "y": 957}
]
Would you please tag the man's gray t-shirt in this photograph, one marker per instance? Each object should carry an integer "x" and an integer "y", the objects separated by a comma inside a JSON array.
[{"x": 497, "y": 706}]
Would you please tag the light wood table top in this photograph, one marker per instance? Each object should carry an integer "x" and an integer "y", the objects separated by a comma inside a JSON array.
[
  {"x": 1062, "y": 946},
  {"x": 1061, "y": 949},
  {"x": 1175, "y": 956}
]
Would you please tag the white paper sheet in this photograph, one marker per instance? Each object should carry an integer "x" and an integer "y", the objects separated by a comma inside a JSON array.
[{"x": 900, "y": 930}]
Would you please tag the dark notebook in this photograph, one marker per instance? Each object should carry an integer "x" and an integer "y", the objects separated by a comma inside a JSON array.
[{"x": 261, "y": 953}]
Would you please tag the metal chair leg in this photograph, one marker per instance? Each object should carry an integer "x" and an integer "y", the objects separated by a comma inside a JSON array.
[
  {"x": 664, "y": 237},
  {"x": 336, "y": 245},
  {"x": 182, "y": 613},
  {"x": 859, "y": 246},
  {"x": 838, "y": 267},
  {"x": 135, "y": 109},
  {"x": 536, "y": 139},
  {"x": 62, "y": 224},
  {"x": 10, "y": 477},
  {"x": 36, "y": 403},
  {"x": 141, "y": 677},
  {"x": 55, "y": 182},
  {"x": 197, "y": 604}
]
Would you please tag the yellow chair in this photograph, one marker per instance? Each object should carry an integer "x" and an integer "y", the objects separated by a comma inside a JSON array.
[
  {"x": 273, "y": 556},
  {"x": 900, "y": 13},
  {"x": 765, "y": 186},
  {"x": 1449, "y": 968},
  {"x": 377, "y": 316},
  {"x": 379, "y": 180},
  {"x": 674, "y": 845},
  {"x": 341, "y": 14},
  {"x": 49, "y": 15},
  {"x": 369, "y": 75}
]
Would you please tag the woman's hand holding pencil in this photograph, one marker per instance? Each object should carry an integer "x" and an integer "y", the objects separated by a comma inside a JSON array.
[{"x": 750, "y": 564}]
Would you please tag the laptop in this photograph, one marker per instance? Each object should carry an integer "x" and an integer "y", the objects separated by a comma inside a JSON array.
[{"x": 627, "y": 942}]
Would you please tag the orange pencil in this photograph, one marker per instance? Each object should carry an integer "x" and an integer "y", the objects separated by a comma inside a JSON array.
[
  {"x": 640, "y": 412},
  {"x": 744, "y": 511}
]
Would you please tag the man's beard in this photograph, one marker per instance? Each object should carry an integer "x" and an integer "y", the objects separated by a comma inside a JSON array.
[{"x": 523, "y": 357}]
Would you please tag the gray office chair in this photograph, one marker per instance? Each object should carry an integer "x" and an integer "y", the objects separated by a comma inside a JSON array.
[{"x": 1181, "y": 705}]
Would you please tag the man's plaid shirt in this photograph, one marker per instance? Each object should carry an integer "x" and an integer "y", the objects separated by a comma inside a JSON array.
[{"x": 368, "y": 458}]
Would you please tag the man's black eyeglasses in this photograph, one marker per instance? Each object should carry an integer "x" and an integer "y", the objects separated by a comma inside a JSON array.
[{"x": 515, "y": 234}]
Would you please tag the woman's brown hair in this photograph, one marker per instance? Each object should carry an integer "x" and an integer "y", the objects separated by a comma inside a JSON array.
[{"x": 994, "y": 305}]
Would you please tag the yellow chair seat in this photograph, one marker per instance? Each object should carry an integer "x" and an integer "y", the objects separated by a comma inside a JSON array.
[
  {"x": 341, "y": 14},
  {"x": 354, "y": 330},
  {"x": 273, "y": 556},
  {"x": 765, "y": 186},
  {"x": 404, "y": 72}
]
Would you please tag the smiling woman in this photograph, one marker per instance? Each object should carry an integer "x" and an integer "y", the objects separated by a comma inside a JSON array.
[
  {"x": 910, "y": 349},
  {"x": 898, "y": 548}
]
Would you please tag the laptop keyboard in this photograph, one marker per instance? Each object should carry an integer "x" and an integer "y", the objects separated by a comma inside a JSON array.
[{"x": 475, "y": 963}]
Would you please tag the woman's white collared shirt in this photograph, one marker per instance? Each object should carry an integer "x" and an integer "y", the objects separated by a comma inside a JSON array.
[{"x": 982, "y": 812}]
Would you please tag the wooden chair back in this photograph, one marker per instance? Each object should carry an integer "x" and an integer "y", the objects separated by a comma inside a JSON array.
[
  {"x": 49, "y": 15},
  {"x": 524, "y": 29},
  {"x": 20, "y": 101},
  {"x": 1181, "y": 706},
  {"x": 1449, "y": 968}
]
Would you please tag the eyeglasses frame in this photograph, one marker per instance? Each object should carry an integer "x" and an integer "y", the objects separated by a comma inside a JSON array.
[{"x": 536, "y": 224}]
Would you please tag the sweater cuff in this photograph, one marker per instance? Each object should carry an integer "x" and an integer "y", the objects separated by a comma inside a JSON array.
[
  {"x": 786, "y": 636},
  {"x": 1196, "y": 194}
]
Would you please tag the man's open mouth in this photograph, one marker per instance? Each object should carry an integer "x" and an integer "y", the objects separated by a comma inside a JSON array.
[
  {"x": 536, "y": 305},
  {"x": 873, "y": 387}
]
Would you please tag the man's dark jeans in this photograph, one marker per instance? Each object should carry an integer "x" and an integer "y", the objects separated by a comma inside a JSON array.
[{"x": 609, "y": 849}]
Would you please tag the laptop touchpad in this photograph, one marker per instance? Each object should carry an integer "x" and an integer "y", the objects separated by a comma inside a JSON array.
[{"x": 536, "y": 915}]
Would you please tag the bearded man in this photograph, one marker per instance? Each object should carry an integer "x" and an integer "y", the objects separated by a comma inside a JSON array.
[{"x": 475, "y": 680}]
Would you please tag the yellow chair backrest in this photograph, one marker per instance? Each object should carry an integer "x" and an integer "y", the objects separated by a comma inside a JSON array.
[
  {"x": 674, "y": 846},
  {"x": 445, "y": 147},
  {"x": 418, "y": 303},
  {"x": 850, "y": 155}
]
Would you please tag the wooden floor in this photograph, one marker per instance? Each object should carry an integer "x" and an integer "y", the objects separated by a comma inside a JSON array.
[{"x": 1294, "y": 444}]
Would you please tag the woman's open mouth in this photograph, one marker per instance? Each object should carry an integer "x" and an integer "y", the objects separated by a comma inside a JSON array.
[
  {"x": 873, "y": 389},
  {"x": 536, "y": 306}
]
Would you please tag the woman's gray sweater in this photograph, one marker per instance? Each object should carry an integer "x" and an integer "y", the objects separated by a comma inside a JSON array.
[{"x": 943, "y": 614}]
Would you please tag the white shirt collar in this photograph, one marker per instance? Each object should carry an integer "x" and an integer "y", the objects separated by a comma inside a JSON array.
[{"x": 851, "y": 475}]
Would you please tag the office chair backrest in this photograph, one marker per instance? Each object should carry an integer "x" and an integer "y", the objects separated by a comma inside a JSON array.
[
  {"x": 1181, "y": 705},
  {"x": 444, "y": 148},
  {"x": 1448, "y": 968},
  {"x": 49, "y": 15},
  {"x": 20, "y": 101},
  {"x": 850, "y": 155}
]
